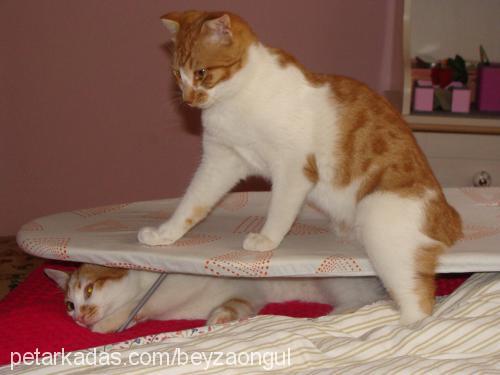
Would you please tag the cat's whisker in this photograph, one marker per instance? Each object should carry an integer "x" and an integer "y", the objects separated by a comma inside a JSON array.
[{"x": 176, "y": 98}]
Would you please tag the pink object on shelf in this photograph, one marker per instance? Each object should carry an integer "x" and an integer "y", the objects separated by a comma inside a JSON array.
[
  {"x": 424, "y": 83},
  {"x": 488, "y": 88},
  {"x": 460, "y": 100},
  {"x": 423, "y": 96},
  {"x": 455, "y": 84}
]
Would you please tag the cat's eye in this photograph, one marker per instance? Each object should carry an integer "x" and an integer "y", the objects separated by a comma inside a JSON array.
[
  {"x": 70, "y": 306},
  {"x": 200, "y": 74},
  {"x": 88, "y": 290},
  {"x": 176, "y": 73}
]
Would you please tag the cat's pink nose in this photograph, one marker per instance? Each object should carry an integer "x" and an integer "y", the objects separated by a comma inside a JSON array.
[
  {"x": 188, "y": 96},
  {"x": 81, "y": 319},
  {"x": 188, "y": 100}
]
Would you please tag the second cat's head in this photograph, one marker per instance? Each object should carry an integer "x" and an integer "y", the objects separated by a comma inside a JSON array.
[
  {"x": 92, "y": 292},
  {"x": 209, "y": 49}
]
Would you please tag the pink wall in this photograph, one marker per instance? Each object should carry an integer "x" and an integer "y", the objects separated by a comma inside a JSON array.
[{"x": 87, "y": 116}]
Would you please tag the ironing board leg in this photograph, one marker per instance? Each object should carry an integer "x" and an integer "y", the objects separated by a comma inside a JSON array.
[{"x": 143, "y": 301}]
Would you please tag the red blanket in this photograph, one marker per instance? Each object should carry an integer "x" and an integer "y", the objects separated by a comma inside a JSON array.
[{"x": 33, "y": 317}]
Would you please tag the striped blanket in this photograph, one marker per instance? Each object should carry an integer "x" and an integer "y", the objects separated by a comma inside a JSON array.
[{"x": 463, "y": 336}]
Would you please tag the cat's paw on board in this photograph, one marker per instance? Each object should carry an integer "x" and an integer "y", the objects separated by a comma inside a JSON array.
[
  {"x": 155, "y": 237},
  {"x": 259, "y": 242}
]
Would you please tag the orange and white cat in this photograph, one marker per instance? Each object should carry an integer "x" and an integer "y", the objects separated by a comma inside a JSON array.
[
  {"x": 102, "y": 298},
  {"x": 325, "y": 138}
]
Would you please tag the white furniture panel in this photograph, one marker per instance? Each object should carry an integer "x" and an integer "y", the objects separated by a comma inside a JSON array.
[{"x": 457, "y": 158}]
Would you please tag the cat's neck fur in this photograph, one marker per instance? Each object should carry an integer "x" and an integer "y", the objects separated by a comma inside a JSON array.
[
  {"x": 262, "y": 77},
  {"x": 263, "y": 109}
]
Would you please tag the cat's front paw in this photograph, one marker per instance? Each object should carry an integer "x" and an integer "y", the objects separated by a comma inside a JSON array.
[
  {"x": 153, "y": 237},
  {"x": 149, "y": 236},
  {"x": 99, "y": 328},
  {"x": 258, "y": 242},
  {"x": 109, "y": 325}
]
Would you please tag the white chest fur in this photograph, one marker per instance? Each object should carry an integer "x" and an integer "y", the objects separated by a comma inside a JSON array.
[{"x": 269, "y": 113}]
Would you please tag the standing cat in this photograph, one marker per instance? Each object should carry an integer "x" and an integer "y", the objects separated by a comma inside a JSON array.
[
  {"x": 102, "y": 298},
  {"x": 329, "y": 139}
]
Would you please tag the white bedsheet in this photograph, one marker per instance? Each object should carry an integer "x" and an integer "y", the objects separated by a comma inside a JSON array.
[
  {"x": 108, "y": 236},
  {"x": 463, "y": 336}
]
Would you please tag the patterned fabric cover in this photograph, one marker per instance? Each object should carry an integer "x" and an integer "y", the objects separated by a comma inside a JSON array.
[{"x": 108, "y": 236}]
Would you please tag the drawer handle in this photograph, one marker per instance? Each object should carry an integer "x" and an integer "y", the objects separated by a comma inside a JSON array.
[{"x": 482, "y": 178}]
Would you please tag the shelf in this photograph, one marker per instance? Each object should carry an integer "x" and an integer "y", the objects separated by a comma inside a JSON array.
[
  {"x": 435, "y": 122},
  {"x": 475, "y": 122}
]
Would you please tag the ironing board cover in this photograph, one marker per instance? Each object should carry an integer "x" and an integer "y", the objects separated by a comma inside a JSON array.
[{"x": 108, "y": 236}]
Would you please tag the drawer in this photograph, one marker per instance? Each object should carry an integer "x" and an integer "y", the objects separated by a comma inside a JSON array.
[{"x": 462, "y": 159}]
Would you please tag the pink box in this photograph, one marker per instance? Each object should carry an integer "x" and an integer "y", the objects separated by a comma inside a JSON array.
[
  {"x": 460, "y": 100},
  {"x": 488, "y": 88},
  {"x": 423, "y": 96}
]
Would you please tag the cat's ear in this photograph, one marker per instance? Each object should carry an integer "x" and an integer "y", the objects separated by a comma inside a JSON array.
[
  {"x": 219, "y": 29},
  {"x": 60, "y": 277},
  {"x": 172, "y": 21}
]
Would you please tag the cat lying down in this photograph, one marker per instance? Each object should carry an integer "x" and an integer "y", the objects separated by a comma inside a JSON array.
[{"x": 101, "y": 298}]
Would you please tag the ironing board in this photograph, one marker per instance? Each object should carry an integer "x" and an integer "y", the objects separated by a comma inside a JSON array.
[{"x": 108, "y": 236}]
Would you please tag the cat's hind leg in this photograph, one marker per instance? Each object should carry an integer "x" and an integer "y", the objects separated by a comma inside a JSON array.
[
  {"x": 233, "y": 309},
  {"x": 403, "y": 257}
]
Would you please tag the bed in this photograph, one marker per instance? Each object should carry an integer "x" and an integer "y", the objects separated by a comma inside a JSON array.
[{"x": 463, "y": 335}]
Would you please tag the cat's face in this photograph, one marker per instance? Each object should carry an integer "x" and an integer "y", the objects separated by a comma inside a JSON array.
[
  {"x": 209, "y": 49},
  {"x": 91, "y": 291}
]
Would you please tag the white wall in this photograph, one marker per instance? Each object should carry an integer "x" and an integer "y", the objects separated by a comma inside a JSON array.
[{"x": 444, "y": 28}]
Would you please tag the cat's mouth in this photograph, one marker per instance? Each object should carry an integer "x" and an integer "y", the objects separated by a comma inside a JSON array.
[
  {"x": 199, "y": 105},
  {"x": 90, "y": 325},
  {"x": 86, "y": 322},
  {"x": 196, "y": 104},
  {"x": 196, "y": 99}
]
